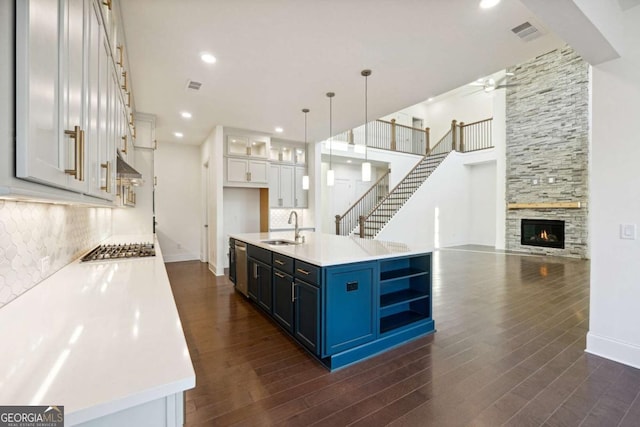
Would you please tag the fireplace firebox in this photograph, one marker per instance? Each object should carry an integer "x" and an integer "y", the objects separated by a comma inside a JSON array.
[{"x": 542, "y": 232}]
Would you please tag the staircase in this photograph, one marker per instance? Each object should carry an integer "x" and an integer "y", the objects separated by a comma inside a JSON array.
[
  {"x": 367, "y": 221},
  {"x": 380, "y": 215}
]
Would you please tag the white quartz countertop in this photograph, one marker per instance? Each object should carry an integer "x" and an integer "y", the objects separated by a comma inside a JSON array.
[
  {"x": 328, "y": 249},
  {"x": 96, "y": 337}
]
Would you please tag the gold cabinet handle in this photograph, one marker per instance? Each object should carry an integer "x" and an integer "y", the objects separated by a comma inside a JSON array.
[
  {"x": 78, "y": 156},
  {"x": 124, "y": 138},
  {"x": 293, "y": 291},
  {"x": 124, "y": 77},
  {"x": 107, "y": 180},
  {"x": 130, "y": 114},
  {"x": 120, "y": 49},
  {"x": 107, "y": 3},
  {"x": 280, "y": 275},
  {"x": 277, "y": 261},
  {"x": 303, "y": 271},
  {"x": 155, "y": 144},
  {"x": 129, "y": 105}
]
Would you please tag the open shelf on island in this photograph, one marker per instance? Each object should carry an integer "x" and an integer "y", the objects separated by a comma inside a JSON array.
[
  {"x": 400, "y": 319},
  {"x": 405, "y": 290},
  {"x": 401, "y": 296},
  {"x": 401, "y": 273}
]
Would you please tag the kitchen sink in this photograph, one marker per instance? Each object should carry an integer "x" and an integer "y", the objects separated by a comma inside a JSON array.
[{"x": 279, "y": 242}]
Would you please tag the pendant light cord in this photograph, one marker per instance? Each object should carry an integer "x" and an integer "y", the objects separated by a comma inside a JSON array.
[{"x": 366, "y": 127}]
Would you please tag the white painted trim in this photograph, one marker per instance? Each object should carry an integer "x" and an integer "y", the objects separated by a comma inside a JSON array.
[
  {"x": 180, "y": 257},
  {"x": 616, "y": 350}
]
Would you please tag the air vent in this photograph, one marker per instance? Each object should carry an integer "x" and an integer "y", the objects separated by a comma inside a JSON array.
[
  {"x": 193, "y": 85},
  {"x": 526, "y": 31}
]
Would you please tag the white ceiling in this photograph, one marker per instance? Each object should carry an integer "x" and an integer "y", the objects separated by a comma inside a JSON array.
[{"x": 276, "y": 57}]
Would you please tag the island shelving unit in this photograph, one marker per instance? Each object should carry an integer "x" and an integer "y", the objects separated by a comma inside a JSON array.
[{"x": 343, "y": 299}]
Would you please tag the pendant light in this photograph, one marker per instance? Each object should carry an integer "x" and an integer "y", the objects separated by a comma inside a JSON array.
[
  {"x": 366, "y": 166},
  {"x": 330, "y": 174},
  {"x": 305, "y": 178}
]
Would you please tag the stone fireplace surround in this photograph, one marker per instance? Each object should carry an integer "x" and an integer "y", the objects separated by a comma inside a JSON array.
[{"x": 547, "y": 148}]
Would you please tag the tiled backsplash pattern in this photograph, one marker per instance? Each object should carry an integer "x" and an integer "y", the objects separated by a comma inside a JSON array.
[
  {"x": 548, "y": 146},
  {"x": 279, "y": 218},
  {"x": 31, "y": 231}
]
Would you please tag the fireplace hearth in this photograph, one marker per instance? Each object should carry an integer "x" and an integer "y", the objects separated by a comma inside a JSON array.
[{"x": 542, "y": 232}]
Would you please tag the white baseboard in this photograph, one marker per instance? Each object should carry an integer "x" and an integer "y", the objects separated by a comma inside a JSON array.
[
  {"x": 180, "y": 257},
  {"x": 616, "y": 350}
]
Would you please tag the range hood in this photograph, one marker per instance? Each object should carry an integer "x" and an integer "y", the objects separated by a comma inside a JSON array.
[{"x": 126, "y": 173}]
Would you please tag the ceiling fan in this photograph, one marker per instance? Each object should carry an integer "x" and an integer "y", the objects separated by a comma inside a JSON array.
[{"x": 489, "y": 84}]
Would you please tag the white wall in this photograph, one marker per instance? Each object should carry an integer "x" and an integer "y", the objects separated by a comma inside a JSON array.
[
  {"x": 178, "y": 201},
  {"x": 482, "y": 207},
  {"x": 211, "y": 153},
  {"x": 461, "y": 106},
  {"x": 615, "y": 200},
  {"x": 438, "y": 213}
]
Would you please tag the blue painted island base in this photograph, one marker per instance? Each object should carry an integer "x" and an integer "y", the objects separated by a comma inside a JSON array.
[
  {"x": 384, "y": 343},
  {"x": 344, "y": 313}
]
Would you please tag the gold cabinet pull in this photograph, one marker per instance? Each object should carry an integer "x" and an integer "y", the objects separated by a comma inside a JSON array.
[
  {"x": 107, "y": 3},
  {"x": 129, "y": 105},
  {"x": 120, "y": 48},
  {"x": 107, "y": 180},
  {"x": 303, "y": 271},
  {"x": 280, "y": 275},
  {"x": 78, "y": 156},
  {"x": 277, "y": 261},
  {"x": 130, "y": 114},
  {"x": 124, "y": 150},
  {"x": 293, "y": 291},
  {"x": 124, "y": 77}
]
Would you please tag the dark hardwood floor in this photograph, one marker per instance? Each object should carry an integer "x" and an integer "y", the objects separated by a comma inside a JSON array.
[{"x": 509, "y": 350}]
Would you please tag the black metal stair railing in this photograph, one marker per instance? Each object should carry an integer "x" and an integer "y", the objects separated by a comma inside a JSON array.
[{"x": 348, "y": 222}]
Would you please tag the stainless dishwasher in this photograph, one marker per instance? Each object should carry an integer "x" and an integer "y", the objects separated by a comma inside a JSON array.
[{"x": 241, "y": 268}]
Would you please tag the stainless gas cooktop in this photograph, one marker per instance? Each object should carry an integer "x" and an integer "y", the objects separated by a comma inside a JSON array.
[{"x": 118, "y": 252}]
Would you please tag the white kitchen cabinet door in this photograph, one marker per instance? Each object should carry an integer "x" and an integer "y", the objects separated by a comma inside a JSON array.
[
  {"x": 39, "y": 154},
  {"x": 95, "y": 136},
  {"x": 247, "y": 173},
  {"x": 281, "y": 186},
  {"x": 301, "y": 199},
  {"x": 258, "y": 172},
  {"x": 274, "y": 186}
]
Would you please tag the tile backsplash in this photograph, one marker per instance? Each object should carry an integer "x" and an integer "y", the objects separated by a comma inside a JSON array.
[
  {"x": 30, "y": 232},
  {"x": 279, "y": 218}
]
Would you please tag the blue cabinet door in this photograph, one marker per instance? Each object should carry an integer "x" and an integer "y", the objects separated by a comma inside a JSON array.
[
  {"x": 265, "y": 290},
  {"x": 283, "y": 299},
  {"x": 351, "y": 294},
  {"x": 307, "y": 312}
]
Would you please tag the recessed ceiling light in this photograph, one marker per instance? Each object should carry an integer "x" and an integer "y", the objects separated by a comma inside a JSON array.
[
  {"x": 185, "y": 115},
  {"x": 430, "y": 99},
  {"x": 279, "y": 129},
  {"x": 488, "y": 4},
  {"x": 178, "y": 134},
  {"x": 348, "y": 161},
  {"x": 208, "y": 58}
]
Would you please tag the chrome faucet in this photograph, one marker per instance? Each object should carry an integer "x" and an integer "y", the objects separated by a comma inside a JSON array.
[{"x": 296, "y": 235}]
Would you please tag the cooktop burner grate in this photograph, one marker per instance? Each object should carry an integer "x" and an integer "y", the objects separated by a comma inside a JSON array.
[{"x": 115, "y": 252}]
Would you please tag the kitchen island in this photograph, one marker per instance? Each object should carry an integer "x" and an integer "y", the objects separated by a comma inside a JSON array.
[
  {"x": 103, "y": 339},
  {"x": 342, "y": 298}
]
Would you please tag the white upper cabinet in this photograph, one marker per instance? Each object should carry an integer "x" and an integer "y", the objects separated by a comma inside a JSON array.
[
  {"x": 72, "y": 100},
  {"x": 281, "y": 186},
  {"x": 301, "y": 199},
  {"x": 145, "y": 131},
  {"x": 247, "y": 146}
]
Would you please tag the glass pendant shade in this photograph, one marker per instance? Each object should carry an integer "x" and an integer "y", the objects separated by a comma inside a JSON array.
[
  {"x": 305, "y": 182},
  {"x": 331, "y": 178},
  {"x": 366, "y": 172}
]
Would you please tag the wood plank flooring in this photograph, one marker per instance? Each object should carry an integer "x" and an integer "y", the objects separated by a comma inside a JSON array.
[{"x": 509, "y": 350}]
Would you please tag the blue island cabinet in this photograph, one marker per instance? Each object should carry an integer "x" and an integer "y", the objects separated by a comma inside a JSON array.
[{"x": 348, "y": 312}]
